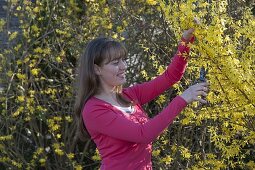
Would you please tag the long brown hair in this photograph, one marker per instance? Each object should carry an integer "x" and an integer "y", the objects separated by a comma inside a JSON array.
[{"x": 97, "y": 51}]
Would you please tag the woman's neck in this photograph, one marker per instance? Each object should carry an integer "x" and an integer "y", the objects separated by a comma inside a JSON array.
[{"x": 109, "y": 97}]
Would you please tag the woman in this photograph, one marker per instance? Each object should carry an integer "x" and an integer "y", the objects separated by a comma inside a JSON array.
[{"x": 113, "y": 117}]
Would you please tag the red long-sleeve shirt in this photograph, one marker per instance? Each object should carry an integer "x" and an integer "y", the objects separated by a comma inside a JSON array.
[{"x": 124, "y": 140}]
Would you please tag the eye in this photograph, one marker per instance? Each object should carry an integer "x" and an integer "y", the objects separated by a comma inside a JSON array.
[
  {"x": 124, "y": 59},
  {"x": 116, "y": 62}
]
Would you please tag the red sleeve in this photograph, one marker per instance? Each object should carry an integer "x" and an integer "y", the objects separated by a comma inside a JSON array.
[
  {"x": 147, "y": 91},
  {"x": 101, "y": 119}
]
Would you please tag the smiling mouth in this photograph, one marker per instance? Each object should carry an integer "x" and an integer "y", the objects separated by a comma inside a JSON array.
[{"x": 122, "y": 75}]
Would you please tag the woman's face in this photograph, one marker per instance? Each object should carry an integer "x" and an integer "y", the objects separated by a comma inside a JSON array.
[{"x": 113, "y": 73}]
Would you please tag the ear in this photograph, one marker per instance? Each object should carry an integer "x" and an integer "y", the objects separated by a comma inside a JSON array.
[{"x": 97, "y": 69}]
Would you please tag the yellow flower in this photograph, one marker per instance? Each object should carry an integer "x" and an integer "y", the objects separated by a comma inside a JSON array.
[
  {"x": 57, "y": 118},
  {"x": 35, "y": 71},
  {"x": 35, "y": 28},
  {"x": 156, "y": 152},
  {"x": 1, "y": 147},
  {"x": 5, "y": 138},
  {"x": 21, "y": 98},
  {"x": 38, "y": 50},
  {"x": 9, "y": 73},
  {"x": 17, "y": 113},
  {"x": 55, "y": 127},
  {"x": 109, "y": 26},
  {"x": 251, "y": 164},
  {"x": 19, "y": 62},
  {"x": 59, "y": 152},
  {"x": 70, "y": 155},
  {"x": 36, "y": 9},
  {"x": 42, "y": 161},
  {"x": 17, "y": 164},
  {"x": 151, "y": 2},
  {"x": 122, "y": 38},
  {"x": 96, "y": 157},
  {"x": 58, "y": 136},
  {"x": 161, "y": 99},
  {"x": 160, "y": 70},
  {"x": 185, "y": 152},
  {"x": 2, "y": 23},
  {"x": 115, "y": 36},
  {"x": 68, "y": 119},
  {"x": 78, "y": 167},
  {"x": 21, "y": 76},
  {"x": 167, "y": 160},
  {"x": 4, "y": 159},
  {"x": 58, "y": 59},
  {"x": 185, "y": 121},
  {"x": 28, "y": 118},
  {"x": 13, "y": 35}
]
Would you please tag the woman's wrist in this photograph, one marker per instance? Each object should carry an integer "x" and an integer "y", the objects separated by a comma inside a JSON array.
[{"x": 188, "y": 40}]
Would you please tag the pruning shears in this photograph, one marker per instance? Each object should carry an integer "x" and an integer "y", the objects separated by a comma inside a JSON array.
[{"x": 202, "y": 76}]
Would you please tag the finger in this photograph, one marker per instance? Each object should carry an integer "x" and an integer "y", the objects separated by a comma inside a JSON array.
[
  {"x": 201, "y": 93},
  {"x": 200, "y": 87},
  {"x": 204, "y": 84},
  {"x": 190, "y": 31},
  {"x": 196, "y": 20},
  {"x": 205, "y": 89},
  {"x": 202, "y": 101}
]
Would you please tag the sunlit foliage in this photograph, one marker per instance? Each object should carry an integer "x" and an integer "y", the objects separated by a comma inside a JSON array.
[{"x": 38, "y": 67}]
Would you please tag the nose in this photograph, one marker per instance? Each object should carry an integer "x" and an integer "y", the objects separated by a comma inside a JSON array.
[{"x": 123, "y": 65}]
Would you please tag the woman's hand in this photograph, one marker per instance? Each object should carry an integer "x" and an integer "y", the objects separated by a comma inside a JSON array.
[
  {"x": 187, "y": 34},
  {"x": 192, "y": 93}
]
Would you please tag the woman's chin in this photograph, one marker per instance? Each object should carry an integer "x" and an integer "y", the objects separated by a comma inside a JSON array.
[{"x": 121, "y": 82}]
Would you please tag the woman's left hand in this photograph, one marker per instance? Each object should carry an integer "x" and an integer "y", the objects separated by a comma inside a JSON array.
[{"x": 187, "y": 34}]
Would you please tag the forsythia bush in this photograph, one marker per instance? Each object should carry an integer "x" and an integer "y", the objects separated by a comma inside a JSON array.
[
  {"x": 225, "y": 47},
  {"x": 38, "y": 67}
]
